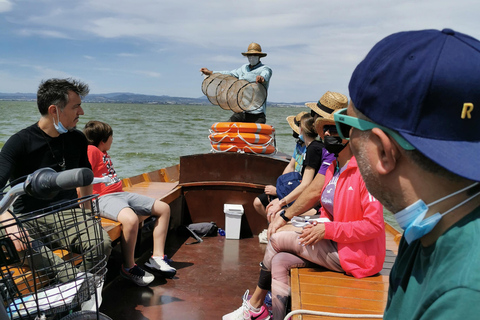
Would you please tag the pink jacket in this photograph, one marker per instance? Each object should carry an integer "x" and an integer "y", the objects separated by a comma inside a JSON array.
[{"x": 358, "y": 227}]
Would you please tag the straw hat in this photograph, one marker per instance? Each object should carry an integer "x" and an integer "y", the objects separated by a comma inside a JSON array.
[
  {"x": 292, "y": 119},
  {"x": 328, "y": 103},
  {"x": 254, "y": 49}
]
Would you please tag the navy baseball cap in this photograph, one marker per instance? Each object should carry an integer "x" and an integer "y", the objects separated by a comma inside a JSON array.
[{"x": 426, "y": 86}]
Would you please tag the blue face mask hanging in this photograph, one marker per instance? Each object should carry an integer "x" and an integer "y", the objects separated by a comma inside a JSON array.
[
  {"x": 59, "y": 126},
  {"x": 411, "y": 219}
]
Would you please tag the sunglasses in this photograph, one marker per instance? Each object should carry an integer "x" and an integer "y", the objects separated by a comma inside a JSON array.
[
  {"x": 344, "y": 123},
  {"x": 330, "y": 128}
]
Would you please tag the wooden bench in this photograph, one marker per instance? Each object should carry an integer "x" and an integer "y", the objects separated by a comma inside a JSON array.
[{"x": 318, "y": 289}]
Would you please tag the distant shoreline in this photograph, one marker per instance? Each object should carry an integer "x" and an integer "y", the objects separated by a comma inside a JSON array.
[{"x": 138, "y": 99}]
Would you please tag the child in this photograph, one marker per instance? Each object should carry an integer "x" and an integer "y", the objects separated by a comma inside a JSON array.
[{"x": 128, "y": 208}]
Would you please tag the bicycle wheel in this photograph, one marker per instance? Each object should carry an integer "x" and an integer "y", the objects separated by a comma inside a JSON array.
[{"x": 86, "y": 315}]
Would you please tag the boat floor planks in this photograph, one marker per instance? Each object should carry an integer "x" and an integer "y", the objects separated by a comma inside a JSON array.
[{"x": 210, "y": 281}]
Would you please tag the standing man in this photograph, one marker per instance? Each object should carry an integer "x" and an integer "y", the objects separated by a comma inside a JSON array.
[
  {"x": 254, "y": 71},
  {"x": 414, "y": 127},
  {"x": 52, "y": 142}
]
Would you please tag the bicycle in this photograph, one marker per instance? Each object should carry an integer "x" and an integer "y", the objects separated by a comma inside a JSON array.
[{"x": 57, "y": 271}]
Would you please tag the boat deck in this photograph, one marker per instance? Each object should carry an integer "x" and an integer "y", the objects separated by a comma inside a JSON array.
[{"x": 210, "y": 281}]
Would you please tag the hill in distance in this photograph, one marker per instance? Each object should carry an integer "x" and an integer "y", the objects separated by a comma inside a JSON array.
[{"x": 125, "y": 97}]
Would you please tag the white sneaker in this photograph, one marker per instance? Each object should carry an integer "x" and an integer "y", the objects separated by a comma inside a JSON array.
[
  {"x": 161, "y": 265},
  {"x": 262, "y": 237},
  {"x": 245, "y": 312},
  {"x": 137, "y": 275}
]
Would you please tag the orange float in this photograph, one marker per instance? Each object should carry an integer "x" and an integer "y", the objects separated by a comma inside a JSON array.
[
  {"x": 243, "y": 148},
  {"x": 243, "y": 137},
  {"x": 240, "y": 137},
  {"x": 247, "y": 127}
]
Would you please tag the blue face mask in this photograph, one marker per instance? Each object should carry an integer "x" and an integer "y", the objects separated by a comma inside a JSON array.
[
  {"x": 411, "y": 219},
  {"x": 301, "y": 138},
  {"x": 59, "y": 126}
]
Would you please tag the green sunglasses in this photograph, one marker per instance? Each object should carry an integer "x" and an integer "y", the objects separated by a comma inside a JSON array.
[{"x": 344, "y": 123}]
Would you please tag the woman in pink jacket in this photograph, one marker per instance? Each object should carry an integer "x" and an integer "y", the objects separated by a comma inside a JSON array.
[{"x": 352, "y": 241}]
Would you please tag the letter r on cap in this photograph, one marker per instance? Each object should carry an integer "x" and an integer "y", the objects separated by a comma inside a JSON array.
[{"x": 467, "y": 109}]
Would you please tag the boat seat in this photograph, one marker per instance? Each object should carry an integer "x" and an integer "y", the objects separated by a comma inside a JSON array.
[{"x": 319, "y": 289}]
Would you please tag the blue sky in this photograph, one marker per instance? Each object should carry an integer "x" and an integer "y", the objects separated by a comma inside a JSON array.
[{"x": 158, "y": 47}]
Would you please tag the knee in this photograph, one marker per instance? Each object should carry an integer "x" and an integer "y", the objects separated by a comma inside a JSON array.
[
  {"x": 161, "y": 209},
  {"x": 258, "y": 205},
  {"x": 129, "y": 219}
]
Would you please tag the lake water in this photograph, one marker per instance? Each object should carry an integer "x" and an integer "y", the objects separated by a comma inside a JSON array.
[{"x": 149, "y": 137}]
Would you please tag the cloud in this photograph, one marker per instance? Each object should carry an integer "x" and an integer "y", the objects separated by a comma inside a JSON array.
[
  {"x": 312, "y": 45},
  {"x": 5, "y": 5}
]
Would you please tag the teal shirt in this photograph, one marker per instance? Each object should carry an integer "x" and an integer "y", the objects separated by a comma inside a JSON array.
[
  {"x": 250, "y": 74},
  {"x": 441, "y": 281}
]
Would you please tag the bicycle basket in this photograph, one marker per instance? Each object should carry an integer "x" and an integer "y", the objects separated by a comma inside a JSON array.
[{"x": 61, "y": 263}]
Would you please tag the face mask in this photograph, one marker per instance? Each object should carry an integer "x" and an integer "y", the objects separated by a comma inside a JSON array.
[
  {"x": 334, "y": 144},
  {"x": 411, "y": 219},
  {"x": 301, "y": 138},
  {"x": 253, "y": 60},
  {"x": 59, "y": 126}
]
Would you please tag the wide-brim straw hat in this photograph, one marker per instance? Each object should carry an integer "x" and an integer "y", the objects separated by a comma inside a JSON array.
[
  {"x": 254, "y": 49},
  {"x": 292, "y": 119},
  {"x": 328, "y": 104}
]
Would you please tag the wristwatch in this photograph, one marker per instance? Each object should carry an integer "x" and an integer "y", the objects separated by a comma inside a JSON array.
[{"x": 282, "y": 214}]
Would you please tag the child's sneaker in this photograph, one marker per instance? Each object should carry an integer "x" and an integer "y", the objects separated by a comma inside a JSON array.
[
  {"x": 161, "y": 265},
  {"x": 246, "y": 312},
  {"x": 137, "y": 275}
]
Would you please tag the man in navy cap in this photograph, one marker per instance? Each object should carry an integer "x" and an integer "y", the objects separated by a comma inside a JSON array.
[{"x": 414, "y": 127}]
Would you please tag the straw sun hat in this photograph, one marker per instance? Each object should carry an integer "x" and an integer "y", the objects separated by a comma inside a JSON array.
[
  {"x": 328, "y": 103},
  {"x": 254, "y": 49},
  {"x": 292, "y": 119}
]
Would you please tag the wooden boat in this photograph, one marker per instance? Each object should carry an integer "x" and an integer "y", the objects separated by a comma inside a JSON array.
[{"x": 212, "y": 276}]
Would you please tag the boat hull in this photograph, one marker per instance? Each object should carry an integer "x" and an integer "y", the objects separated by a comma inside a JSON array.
[{"x": 209, "y": 181}]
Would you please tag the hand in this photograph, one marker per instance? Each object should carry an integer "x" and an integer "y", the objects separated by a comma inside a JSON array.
[
  {"x": 19, "y": 238},
  {"x": 272, "y": 208},
  {"x": 260, "y": 79},
  {"x": 276, "y": 224},
  {"x": 206, "y": 71},
  {"x": 312, "y": 234},
  {"x": 271, "y": 215},
  {"x": 271, "y": 190}
]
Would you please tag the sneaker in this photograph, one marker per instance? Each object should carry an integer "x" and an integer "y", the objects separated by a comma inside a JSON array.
[
  {"x": 246, "y": 312},
  {"x": 161, "y": 265},
  {"x": 137, "y": 275},
  {"x": 262, "y": 237}
]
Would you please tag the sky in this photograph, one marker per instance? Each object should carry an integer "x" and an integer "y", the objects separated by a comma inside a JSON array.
[{"x": 157, "y": 47}]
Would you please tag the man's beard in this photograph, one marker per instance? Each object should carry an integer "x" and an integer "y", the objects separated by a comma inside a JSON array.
[{"x": 373, "y": 183}]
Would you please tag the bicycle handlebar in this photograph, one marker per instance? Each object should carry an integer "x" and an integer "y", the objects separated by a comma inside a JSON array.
[{"x": 46, "y": 182}]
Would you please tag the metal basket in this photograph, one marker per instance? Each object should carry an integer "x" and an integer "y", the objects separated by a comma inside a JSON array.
[{"x": 62, "y": 262}]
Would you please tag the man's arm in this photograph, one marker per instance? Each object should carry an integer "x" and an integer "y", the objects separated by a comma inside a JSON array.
[
  {"x": 308, "y": 199},
  {"x": 86, "y": 191}
]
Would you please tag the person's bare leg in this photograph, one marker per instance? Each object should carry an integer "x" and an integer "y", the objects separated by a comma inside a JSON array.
[
  {"x": 161, "y": 210},
  {"x": 130, "y": 223}
]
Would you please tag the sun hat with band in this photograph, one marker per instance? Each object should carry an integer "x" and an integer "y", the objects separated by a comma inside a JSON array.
[
  {"x": 294, "y": 121},
  {"x": 254, "y": 49},
  {"x": 425, "y": 85},
  {"x": 328, "y": 103}
]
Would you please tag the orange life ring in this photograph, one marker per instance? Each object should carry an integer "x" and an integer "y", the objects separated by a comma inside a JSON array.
[
  {"x": 247, "y": 127},
  {"x": 240, "y": 137},
  {"x": 241, "y": 147}
]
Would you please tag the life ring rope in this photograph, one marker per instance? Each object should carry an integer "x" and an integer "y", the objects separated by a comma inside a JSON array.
[
  {"x": 243, "y": 137},
  {"x": 231, "y": 138}
]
